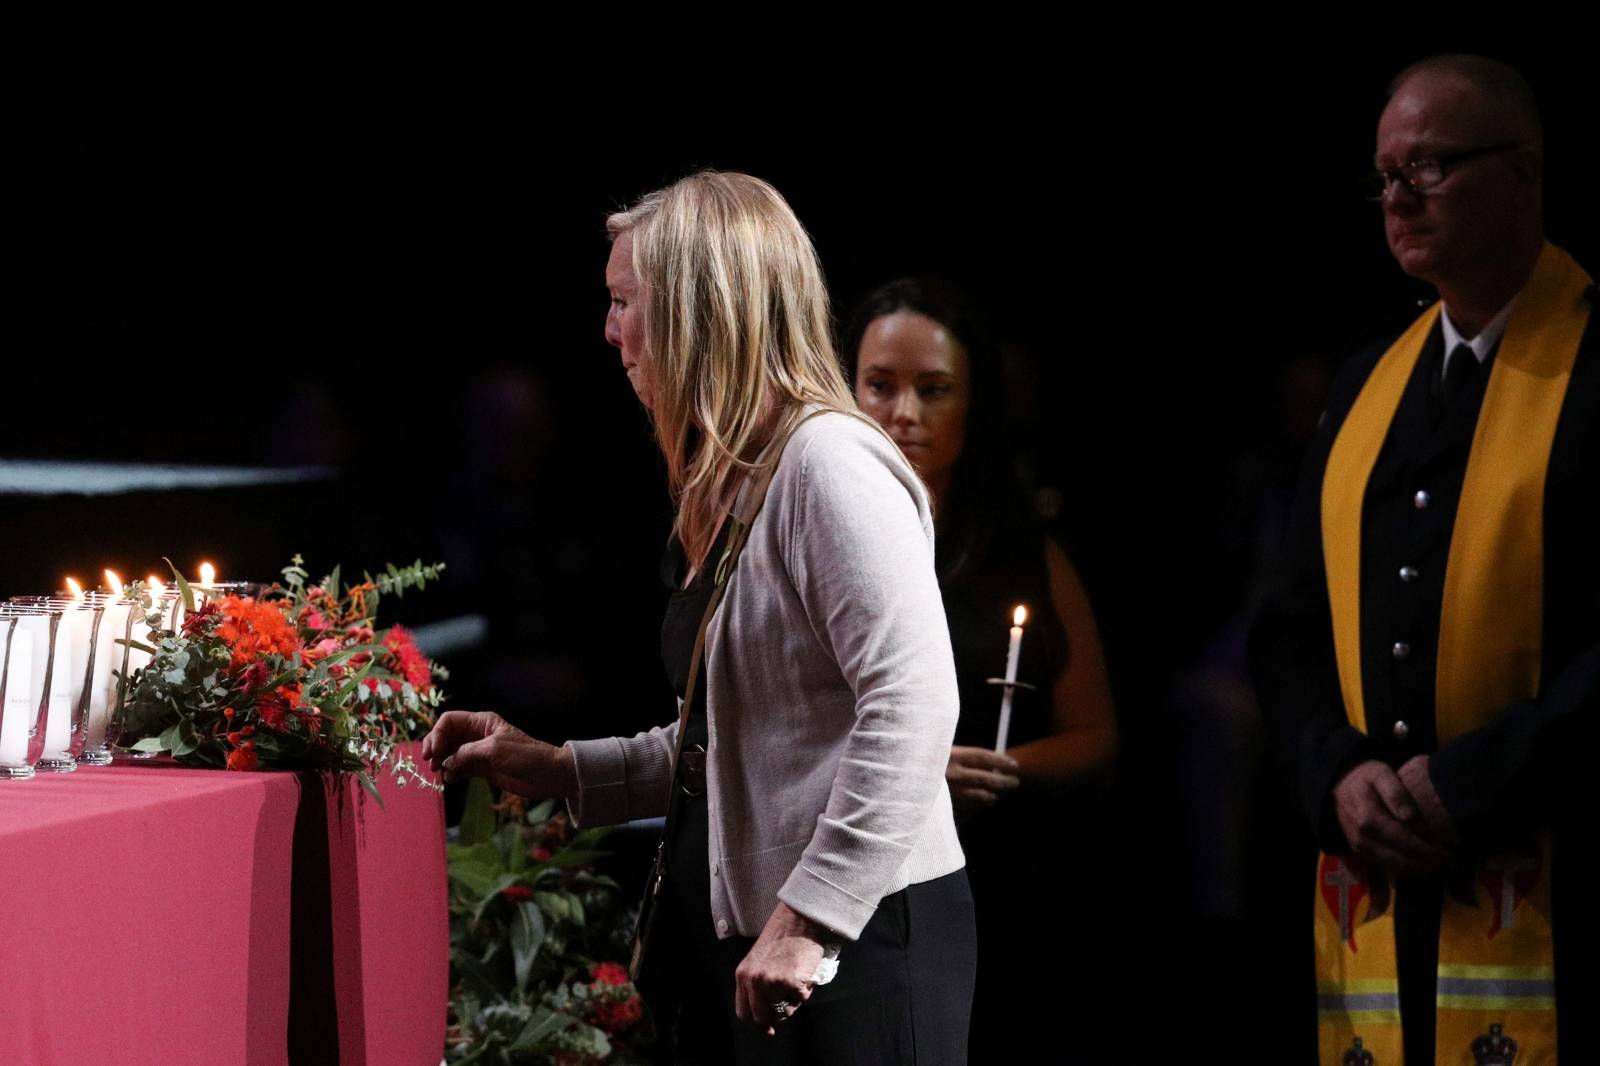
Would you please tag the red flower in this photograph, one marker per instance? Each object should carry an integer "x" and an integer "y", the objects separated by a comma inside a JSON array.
[
  {"x": 517, "y": 892},
  {"x": 540, "y": 854},
  {"x": 242, "y": 759},
  {"x": 313, "y": 619},
  {"x": 272, "y": 708},
  {"x": 200, "y": 618},
  {"x": 407, "y": 659},
  {"x": 255, "y": 676},
  {"x": 609, "y": 973},
  {"x": 615, "y": 1015}
]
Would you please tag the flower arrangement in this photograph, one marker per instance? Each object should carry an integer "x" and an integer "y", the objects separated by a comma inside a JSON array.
[
  {"x": 536, "y": 939},
  {"x": 295, "y": 678}
]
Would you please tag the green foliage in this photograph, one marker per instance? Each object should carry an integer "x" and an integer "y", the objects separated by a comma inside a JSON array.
[{"x": 535, "y": 940}]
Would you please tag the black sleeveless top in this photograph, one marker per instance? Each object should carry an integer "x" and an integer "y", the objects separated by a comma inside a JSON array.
[
  {"x": 688, "y": 831},
  {"x": 978, "y": 605},
  {"x": 685, "y": 608}
]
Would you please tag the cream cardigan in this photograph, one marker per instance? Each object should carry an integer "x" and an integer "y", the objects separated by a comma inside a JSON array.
[{"x": 831, "y": 698}]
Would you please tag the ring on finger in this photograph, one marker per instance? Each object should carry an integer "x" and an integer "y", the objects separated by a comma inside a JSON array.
[{"x": 783, "y": 1010}]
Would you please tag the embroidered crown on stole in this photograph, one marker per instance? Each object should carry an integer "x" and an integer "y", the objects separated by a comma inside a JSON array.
[{"x": 1494, "y": 1048}]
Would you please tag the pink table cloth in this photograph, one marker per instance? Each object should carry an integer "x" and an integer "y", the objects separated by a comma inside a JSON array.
[{"x": 159, "y": 914}]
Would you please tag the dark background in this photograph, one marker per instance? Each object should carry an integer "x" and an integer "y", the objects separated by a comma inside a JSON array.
[{"x": 407, "y": 288}]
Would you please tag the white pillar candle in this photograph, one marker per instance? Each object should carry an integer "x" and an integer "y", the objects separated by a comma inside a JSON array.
[
  {"x": 107, "y": 658},
  {"x": 20, "y": 702},
  {"x": 124, "y": 659},
  {"x": 1013, "y": 654},
  {"x": 66, "y": 685}
]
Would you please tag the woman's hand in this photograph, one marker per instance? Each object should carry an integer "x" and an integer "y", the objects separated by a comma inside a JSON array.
[
  {"x": 779, "y": 968},
  {"x": 481, "y": 744},
  {"x": 978, "y": 778}
]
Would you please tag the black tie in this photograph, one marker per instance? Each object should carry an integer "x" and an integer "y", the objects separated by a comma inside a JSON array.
[{"x": 1457, "y": 372}]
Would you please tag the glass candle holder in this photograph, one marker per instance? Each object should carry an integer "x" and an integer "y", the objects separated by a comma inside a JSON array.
[
  {"x": 69, "y": 669},
  {"x": 107, "y": 662},
  {"x": 28, "y": 637}
]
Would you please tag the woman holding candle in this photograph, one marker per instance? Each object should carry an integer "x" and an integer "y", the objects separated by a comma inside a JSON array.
[
  {"x": 814, "y": 823},
  {"x": 923, "y": 366}
]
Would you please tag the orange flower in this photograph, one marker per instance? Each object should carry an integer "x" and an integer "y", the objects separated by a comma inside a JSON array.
[
  {"x": 253, "y": 629},
  {"x": 242, "y": 759}
]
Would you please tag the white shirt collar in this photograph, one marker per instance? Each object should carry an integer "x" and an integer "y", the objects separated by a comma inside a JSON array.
[{"x": 1483, "y": 343}]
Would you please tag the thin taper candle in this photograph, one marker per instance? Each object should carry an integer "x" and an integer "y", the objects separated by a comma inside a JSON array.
[{"x": 1013, "y": 653}]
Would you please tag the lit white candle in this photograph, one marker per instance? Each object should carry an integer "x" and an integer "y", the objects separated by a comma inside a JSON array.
[
  {"x": 68, "y": 677},
  {"x": 18, "y": 701},
  {"x": 1013, "y": 653},
  {"x": 202, "y": 590},
  {"x": 108, "y": 656}
]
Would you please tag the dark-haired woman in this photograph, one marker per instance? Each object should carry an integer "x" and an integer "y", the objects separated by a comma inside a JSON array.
[{"x": 924, "y": 367}]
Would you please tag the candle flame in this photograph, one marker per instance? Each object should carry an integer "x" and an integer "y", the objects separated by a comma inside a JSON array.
[
  {"x": 155, "y": 584},
  {"x": 1019, "y": 616},
  {"x": 208, "y": 575},
  {"x": 77, "y": 589},
  {"x": 113, "y": 582}
]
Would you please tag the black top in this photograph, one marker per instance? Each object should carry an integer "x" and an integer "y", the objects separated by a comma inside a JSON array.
[
  {"x": 685, "y": 608},
  {"x": 688, "y": 827},
  {"x": 978, "y": 602}
]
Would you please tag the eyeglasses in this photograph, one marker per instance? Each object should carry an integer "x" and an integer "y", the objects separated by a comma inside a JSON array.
[{"x": 1420, "y": 175}]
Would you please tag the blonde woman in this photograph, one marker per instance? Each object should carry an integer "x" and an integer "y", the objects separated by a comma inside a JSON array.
[{"x": 814, "y": 905}]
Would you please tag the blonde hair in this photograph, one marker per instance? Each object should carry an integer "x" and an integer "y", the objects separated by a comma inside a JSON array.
[{"x": 738, "y": 334}]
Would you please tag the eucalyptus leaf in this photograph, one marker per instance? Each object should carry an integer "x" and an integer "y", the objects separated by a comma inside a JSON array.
[
  {"x": 183, "y": 586},
  {"x": 553, "y": 904},
  {"x": 186, "y": 744},
  {"x": 372, "y": 789},
  {"x": 575, "y": 905},
  {"x": 150, "y": 744},
  {"x": 477, "y": 818},
  {"x": 544, "y": 1023},
  {"x": 527, "y": 935}
]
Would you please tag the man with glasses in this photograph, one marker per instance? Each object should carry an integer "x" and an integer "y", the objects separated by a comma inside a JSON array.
[{"x": 1433, "y": 651}]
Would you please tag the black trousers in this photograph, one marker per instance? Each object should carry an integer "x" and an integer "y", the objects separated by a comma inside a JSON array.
[{"x": 903, "y": 993}]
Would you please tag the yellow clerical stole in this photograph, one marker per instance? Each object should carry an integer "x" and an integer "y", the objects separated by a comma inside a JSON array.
[{"x": 1496, "y": 979}]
